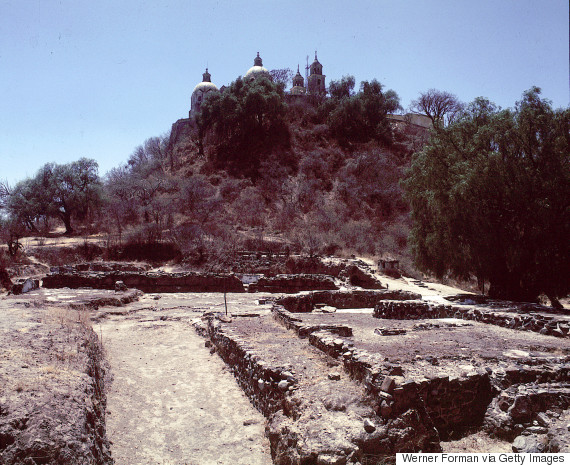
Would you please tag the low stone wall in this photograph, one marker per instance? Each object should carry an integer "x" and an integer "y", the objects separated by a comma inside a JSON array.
[
  {"x": 518, "y": 407},
  {"x": 146, "y": 282},
  {"x": 293, "y": 283},
  {"x": 24, "y": 285},
  {"x": 108, "y": 266},
  {"x": 264, "y": 384},
  {"x": 450, "y": 404},
  {"x": 356, "y": 276},
  {"x": 342, "y": 299},
  {"x": 419, "y": 309},
  {"x": 289, "y": 320}
]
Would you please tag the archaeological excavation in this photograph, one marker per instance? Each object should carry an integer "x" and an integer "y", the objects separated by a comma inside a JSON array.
[{"x": 120, "y": 363}]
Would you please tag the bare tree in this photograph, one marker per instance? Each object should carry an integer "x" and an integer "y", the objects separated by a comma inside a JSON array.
[
  {"x": 281, "y": 75},
  {"x": 440, "y": 106},
  {"x": 5, "y": 192}
]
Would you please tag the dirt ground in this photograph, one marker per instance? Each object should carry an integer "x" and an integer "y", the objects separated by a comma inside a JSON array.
[{"x": 171, "y": 401}]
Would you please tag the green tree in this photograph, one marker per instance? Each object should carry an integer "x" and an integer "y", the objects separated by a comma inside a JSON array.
[
  {"x": 361, "y": 117},
  {"x": 343, "y": 88},
  {"x": 61, "y": 191},
  {"x": 246, "y": 122},
  {"x": 490, "y": 197}
]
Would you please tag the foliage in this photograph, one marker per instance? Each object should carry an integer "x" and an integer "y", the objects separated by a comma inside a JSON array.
[
  {"x": 343, "y": 88},
  {"x": 61, "y": 191},
  {"x": 361, "y": 117},
  {"x": 246, "y": 122},
  {"x": 489, "y": 196}
]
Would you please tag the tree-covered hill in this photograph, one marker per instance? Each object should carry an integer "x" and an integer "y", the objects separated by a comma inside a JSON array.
[{"x": 484, "y": 192}]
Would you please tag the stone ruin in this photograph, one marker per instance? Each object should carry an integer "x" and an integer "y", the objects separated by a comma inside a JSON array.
[
  {"x": 411, "y": 399},
  {"x": 405, "y": 375}
]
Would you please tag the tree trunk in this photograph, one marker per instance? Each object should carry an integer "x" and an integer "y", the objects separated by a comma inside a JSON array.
[
  {"x": 507, "y": 287},
  {"x": 554, "y": 302},
  {"x": 66, "y": 218}
]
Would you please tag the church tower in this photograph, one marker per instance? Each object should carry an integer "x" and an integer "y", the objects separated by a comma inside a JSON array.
[
  {"x": 316, "y": 80},
  {"x": 298, "y": 84}
]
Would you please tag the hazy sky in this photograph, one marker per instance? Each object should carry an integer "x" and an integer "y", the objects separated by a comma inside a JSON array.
[{"x": 95, "y": 78}]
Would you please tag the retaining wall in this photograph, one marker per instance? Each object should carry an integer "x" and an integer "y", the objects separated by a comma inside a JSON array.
[
  {"x": 342, "y": 299},
  {"x": 293, "y": 283},
  {"x": 418, "y": 309},
  {"x": 264, "y": 384},
  {"x": 147, "y": 282},
  {"x": 451, "y": 404}
]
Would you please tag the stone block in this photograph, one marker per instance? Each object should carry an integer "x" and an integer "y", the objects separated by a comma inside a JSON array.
[{"x": 388, "y": 385}]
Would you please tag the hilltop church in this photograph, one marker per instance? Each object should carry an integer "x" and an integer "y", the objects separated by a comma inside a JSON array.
[
  {"x": 311, "y": 87},
  {"x": 315, "y": 84}
]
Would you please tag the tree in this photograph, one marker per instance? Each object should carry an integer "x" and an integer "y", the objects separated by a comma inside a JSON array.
[
  {"x": 246, "y": 123},
  {"x": 440, "y": 106},
  {"x": 282, "y": 76},
  {"x": 61, "y": 191},
  {"x": 343, "y": 88},
  {"x": 490, "y": 197},
  {"x": 361, "y": 117}
]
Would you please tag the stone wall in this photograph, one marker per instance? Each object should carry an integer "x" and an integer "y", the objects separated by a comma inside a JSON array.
[
  {"x": 450, "y": 404},
  {"x": 518, "y": 407},
  {"x": 264, "y": 384},
  {"x": 289, "y": 320},
  {"x": 293, "y": 283},
  {"x": 508, "y": 318},
  {"x": 146, "y": 282},
  {"x": 342, "y": 299}
]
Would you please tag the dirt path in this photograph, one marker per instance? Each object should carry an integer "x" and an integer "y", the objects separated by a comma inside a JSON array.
[{"x": 171, "y": 402}]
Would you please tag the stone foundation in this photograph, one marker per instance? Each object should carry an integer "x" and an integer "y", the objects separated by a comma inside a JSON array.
[
  {"x": 508, "y": 318},
  {"x": 265, "y": 385},
  {"x": 451, "y": 404},
  {"x": 146, "y": 282},
  {"x": 291, "y": 284},
  {"x": 342, "y": 299}
]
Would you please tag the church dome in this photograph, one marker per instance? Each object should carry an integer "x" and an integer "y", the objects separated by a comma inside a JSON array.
[
  {"x": 204, "y": 87},
  {"x": 206, "y": 84},
  {"x": 257, "y": 70},
  {"x": 200, "y": 91}
]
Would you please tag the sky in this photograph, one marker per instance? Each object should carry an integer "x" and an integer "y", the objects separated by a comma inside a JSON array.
[{"x": 95, "y": 79}]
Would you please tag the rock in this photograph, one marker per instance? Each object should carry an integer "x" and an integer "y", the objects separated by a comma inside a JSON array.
[
  {"x": 527, "y": 444},
  {"x": 261, "y": 384},
  {"x": 521, "y": 408},
  {"x": 537, "y": 430},
  {"x": 385, "y": 409},
  {"x": 25, "y": 285},
  {"x": 543, "y": 420},
  {"x": 335, "y": 376},
  {"x": 369, "y": 427},
  {"x": 283, "y": 385},
  {"x": 388, "y": 385},
  {"x": 389, "y": 331},
  {"x": 288, "y": 376},
  {"x": 434, "y": 361},
  {"x": 328, "y": 309},
  {"x": 326, "y": 459},
  {"x": 120, "y": 286}
]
